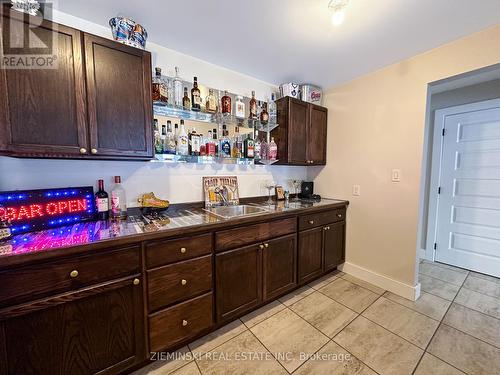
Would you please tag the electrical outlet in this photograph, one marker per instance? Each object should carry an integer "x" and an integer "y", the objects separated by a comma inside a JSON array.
[
  {"x": 396, "y": 175},
  {"x": 356, "y": 190}
]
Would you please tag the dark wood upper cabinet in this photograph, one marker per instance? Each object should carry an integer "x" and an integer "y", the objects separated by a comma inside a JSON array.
[
  {"x": 280, "y": 264},
  {"x": 238, "y": 281},
  {"x": 301, "y": 134},
  {"x": 119, "y": 98},
  {"x": 96, "y": 330},
  {"x": 94, "y": 103},
  {"x": 334, "y": 245},
  {"x": 42, "y": 110},
  {"x": 310, "y": 254}
]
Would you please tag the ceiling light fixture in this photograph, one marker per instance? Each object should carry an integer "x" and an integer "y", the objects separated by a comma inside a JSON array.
[{"x": 337, "y": 8}]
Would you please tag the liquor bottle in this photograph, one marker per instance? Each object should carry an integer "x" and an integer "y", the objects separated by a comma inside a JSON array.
[
  {"x": 216, "y": 141},
  {"x": 194, "y": 143},
  {"x": 118, "y": 200},
  {"x": 210, "y": 145},
  {"x": 183, "y": 141},
  {"x": 271, "y": 108},
  {"x": 273, "y": 150},
  {"x": 195, "y": 96},
  {"x": 160, "y": 88},
  {"x": 264, "y": 149},
  {"x": 102, "y": 202},
  {"x": 177, "y": 89},
  {"x": 226, "y": 103},
  {"x": 157, "y": 138},
  {"x": 249, "y": 147},
  {"x": 257, "y": 144},
  {"x": 236, "y": 151},
  {"x": 203, "y": 145},
  {"x": 264, "y": 115},
  {"x": 176, "y": 135},
  {"x": 186, "y": 102},
  {"x": 169, "y": 147},
  {"x": 225, "y": 144},
  {"x": 163, "y": 138},
  {"x": 239, "y": 107},
  {"x": 253, "y": 107},
  {"x": 211, "y": 102}
]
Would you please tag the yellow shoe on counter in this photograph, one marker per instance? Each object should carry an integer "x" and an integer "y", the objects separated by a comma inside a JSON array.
[{"x": 149, "y": 200}]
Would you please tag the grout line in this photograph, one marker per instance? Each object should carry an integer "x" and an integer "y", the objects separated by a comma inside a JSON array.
[
  {"x": 447, "y": 266},
  {"x": 446, "y": 281},
  {"x": 471, "y": 335},
  {"x": 215, "y": 347},
  {"x": 438, "y": 320},
  {"x": 256, "y": 324},
  {"x": 484, "y": 294},
  {"x": 303, "y": 363},
  {"x": 480, "y": 312},
  {"x": 361, "y": 286},
  {"x": 268, "y": 350},
  {"x": 356, "y": 357}
]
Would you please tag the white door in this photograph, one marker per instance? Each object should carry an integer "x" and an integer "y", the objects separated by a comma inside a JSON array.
[{"x": 468, "y": 223}]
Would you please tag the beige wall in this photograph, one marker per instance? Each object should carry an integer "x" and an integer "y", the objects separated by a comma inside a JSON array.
[{"x": 375, "y": 124}]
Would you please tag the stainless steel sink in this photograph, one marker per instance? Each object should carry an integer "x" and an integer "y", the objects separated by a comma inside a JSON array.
[{"x": 228, "y": 212}]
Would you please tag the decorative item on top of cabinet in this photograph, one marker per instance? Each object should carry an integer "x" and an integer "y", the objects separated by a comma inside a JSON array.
[
  {"x": 96, "y": 104},
  {"x": 301, "y": 136}
]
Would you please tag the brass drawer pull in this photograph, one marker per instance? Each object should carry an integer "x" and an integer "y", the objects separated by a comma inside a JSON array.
[
  {"x": 137, "y": 281},
  {"x": 184, "y": 323},
  {"x": 94, "y": 151},
  {"x": 311, "y": 222},
  {"x": 261, "y": 247},
  {"x": 325, "y": 228},
  {"x": 73, "y": 274},
  {"x": 184, "y": 282},
  {"x": 266, "y": 245},
  {"x": 183, "y": 250},
  {"x": 339, "y": 215},
  {"x": 83, "y": 150}
]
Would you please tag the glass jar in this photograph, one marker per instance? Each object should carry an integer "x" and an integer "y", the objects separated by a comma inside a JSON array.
[{"x": 239, "y": 107}]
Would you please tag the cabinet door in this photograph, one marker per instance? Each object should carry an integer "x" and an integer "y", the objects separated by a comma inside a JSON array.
[
  {"x": 334, "y": 245},
  {"x": 310, "y": 254},
  {"x": 238, "y": 281},
  {"x": 43, "y": 109},
  {"x": 119, "y": 98},
  {"x": 316, "y": 135},
  {"x": 280, "y": 265},
  {"x": 96, "y": 330},
  {"x": 298, "y": 117}
]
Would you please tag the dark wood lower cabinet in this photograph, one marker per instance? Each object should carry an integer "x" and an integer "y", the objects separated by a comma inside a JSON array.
[
  {"x": 99, "y": 329},
  {"x": 238, "y": 281},
  {"x": 333, "y": 245},
  {"x": 310, "y": 254},
  {"x": 280, "y": 264}
]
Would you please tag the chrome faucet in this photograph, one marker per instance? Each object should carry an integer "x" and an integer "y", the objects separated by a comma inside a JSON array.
[{"x": 220, "y": 193}]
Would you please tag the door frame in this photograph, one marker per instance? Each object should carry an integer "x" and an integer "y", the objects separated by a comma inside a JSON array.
[{"x": 437, "y": 156}]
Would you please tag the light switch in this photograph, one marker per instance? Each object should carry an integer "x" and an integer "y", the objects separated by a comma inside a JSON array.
[
  {"x": 356, "y": 190},
  {"x": 396, "y": 175}
]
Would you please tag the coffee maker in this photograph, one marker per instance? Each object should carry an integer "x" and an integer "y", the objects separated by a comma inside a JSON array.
[{"x": 307, "y": 191}]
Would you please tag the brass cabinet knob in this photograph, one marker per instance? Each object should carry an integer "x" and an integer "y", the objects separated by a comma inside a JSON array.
[
  {"x": 73, "y": 273},
  {"x": 184, "y": 323},
  {"x": 184, "y": 282},
  {"x": 137, "y": 281},
  {"x": 94, "y": 151},
  {"x": 83, "y": 150},
  {"x": 328, "y": 228},
  {"x": 266, "y": 245},
  {"x": 339, "y": 215},
  {"x": 325, "y": 228},
  {"x": 183, "y": 250},
  {"x": 261, "y": 247},
  {"x": 311, "y": 222}
]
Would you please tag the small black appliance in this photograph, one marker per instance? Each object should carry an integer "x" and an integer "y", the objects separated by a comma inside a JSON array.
[{"x": 307, "y": 191}]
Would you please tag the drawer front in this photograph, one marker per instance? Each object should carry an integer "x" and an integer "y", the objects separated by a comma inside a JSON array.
[
  {"x": 321, "y": 218},
  {"x": 170, "y": 327},
  {"x": 238, "y": 237},
  {"x": 43, "y": 279},
  {"x": 177, "y": 282},
  {"x": 159, "y": 253}
]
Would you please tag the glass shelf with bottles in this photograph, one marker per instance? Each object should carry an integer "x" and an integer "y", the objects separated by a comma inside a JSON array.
[
  {"x": 171, "y": 158},
  {"x": 177, "y": 98}
]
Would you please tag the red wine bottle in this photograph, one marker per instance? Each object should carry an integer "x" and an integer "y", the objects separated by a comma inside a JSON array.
[{"x": 102, "y": 202}]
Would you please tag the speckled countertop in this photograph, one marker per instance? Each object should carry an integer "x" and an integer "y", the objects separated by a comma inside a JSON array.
[{"x": 135, "y": 228}]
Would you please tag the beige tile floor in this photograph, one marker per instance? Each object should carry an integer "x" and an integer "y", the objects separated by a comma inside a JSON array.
[{"x": 342, "y": 325}]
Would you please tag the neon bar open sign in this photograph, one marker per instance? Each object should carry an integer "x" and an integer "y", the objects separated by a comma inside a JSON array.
[{"x": 32, "y": 210}]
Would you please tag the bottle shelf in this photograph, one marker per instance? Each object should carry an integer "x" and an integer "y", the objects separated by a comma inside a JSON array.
[
  {"x": 167, "y": 158},
  {"x": 266, "y": 161},
  {"x": 169, "y": 110}
]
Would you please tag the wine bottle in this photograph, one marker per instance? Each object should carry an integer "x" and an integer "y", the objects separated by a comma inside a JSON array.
[{"x": 102, "y": 202}]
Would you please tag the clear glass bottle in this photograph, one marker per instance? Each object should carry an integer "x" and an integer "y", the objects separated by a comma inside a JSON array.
[
  {"x": 239, "y": 107},
  {"x": 273, "y": 150},
  {"x": 237, "y": 149},
  {"x": 163, "y": 139},
  {"x": 118, "y": 200},
  {"x": 253, "y": 107},
  {"x": 226, "y": 103},
  {"x": 169, "y": 140},
  {"x": 271, "y": 109},
  {"x": 211, "y": 102},
  {"x": 160, "y": 88},
  {"x": 176, "y": 135},
  {"x": 225, "y": 144},
  {"x": 264, "y": 149},
  {"x": 195, "y": 96},
  {"x": 183, "y": 141},
  {"x": 178, "y": 94},
  {"x": 186, "y": 102},
  {"x": 157, "y": 138},
  {"x": 194, "y": 143},
  {"x": 257, "y": 146},
  {"x": 210, "y": 145}
]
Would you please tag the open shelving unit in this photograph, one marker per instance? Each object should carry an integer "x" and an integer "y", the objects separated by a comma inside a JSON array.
[{"x": 246, "y": 126}]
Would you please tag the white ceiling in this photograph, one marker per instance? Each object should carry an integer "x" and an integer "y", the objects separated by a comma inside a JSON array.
[{"x": 293, "y": 40}]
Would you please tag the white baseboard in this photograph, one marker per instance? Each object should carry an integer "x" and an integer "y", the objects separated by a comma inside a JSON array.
[{"x": 397, "y": 287}]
